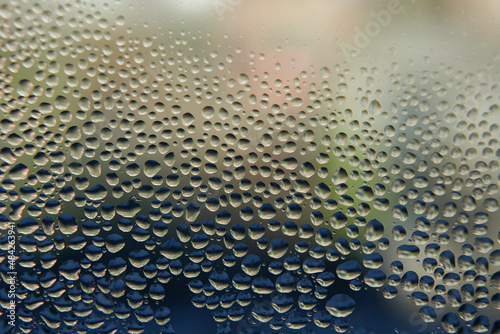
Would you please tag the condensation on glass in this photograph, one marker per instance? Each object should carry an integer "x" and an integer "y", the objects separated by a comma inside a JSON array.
[{"x": 237, "y": 166}]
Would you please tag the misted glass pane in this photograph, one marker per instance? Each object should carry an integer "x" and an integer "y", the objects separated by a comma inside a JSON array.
[{"x": 249, "y": 166}]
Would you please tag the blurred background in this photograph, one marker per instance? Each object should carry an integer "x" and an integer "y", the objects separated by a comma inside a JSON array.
[{"x": 136, "y": 133}]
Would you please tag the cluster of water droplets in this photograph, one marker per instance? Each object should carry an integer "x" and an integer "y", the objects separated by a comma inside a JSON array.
[{"x": 128, "y": 163}]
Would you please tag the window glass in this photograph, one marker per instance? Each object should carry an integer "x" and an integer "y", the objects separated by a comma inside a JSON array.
[{"x": 237, "y": 166}]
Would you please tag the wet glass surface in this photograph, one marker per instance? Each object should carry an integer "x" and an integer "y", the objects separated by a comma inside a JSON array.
[{"x": 236, "y": 166}]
